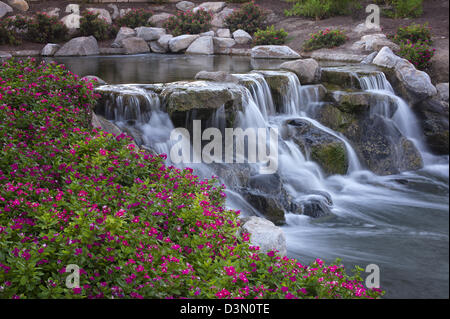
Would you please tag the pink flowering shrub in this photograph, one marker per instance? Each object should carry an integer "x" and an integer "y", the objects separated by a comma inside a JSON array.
[
  {"x": 73, "y": 194},
  {"x": 419, "y": 53},
  {"x": 135, "y": 18},
  {"x": 93, "y": 24},
  {"x": 325, "y": 39},
  {"x": 189, "y": 22},
  {"x": 270, "y": 36}
]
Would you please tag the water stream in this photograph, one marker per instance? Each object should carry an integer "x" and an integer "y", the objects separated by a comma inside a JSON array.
[{"x": 399, "y": 222}]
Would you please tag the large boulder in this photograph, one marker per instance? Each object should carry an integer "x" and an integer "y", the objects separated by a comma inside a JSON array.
[
  {"x": 79, "y": 47},
  {"x": 307, "y": 70},
  {"x": 50, "y": 49},
  {"x": 224, "y": 42},
  {"x": 4, "y": 56},
  {"x": 274, "y": 52},
  {"x": 321, "y": 147},
  {"x": 378, "y": 143},
  {"x": 123, "y": 33},
  {"x": 267, "y": 205},
  {"x": 159, "y": 19},
  {"x": 434, "y": 120},
  {"x": 412, "y": 84},
  {"x": 20, "y": 5},
  {"x": 182, "y": 42},
  {"x": 213, "y": 7},
  {"x": 242, "y": 37},
  {"x": 163, "y": 42},
  {"x": 149, "y": 33},
  {"x": 185, "y": 5},
  {"x": 442, "y": 89},
  {"x": 135, "y": 45},
  {"x": 223, "y": 33},
  {"x": 415, "y": 85},
  {"x": 102, "y": 14},
  {"x": 203, "y": 45},
  {"x": 265, "y": 234},
  {"x": 4, "y": 9},
  {"x": 72, "y": 21},
  {"x": 218, "y": 20}
]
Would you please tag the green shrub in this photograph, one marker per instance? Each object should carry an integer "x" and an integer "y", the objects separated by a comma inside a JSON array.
[
  {"x": 135, "y": 18},
  {"x": 419, "y": 53},
  {"x": 91, "y": 24},
  {"x": 44, "y": 29},
  {"x": 73, "y": 194},
  {"x": 189, "y": 22},
  {"x": 250, "y": 17},
  {"x": 408, "y": 8},
  {"x": 325, "y": 39},
  {"x": 270, "y": 36},
  {"x": 320, "y": 9},
  {"x": 414, "y": 33}
]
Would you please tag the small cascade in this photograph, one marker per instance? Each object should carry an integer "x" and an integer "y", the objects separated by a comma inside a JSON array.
[{"x": 394, "y": 108}]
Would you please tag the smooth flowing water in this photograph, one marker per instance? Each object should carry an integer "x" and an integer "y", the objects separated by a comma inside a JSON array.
[{"x": 398, "y": 222}]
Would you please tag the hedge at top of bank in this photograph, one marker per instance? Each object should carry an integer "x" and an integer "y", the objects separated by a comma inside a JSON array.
[{"x": 67, "y": 197}]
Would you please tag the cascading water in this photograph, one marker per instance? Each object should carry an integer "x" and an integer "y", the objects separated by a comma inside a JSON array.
[{"x": 375, "y": 218}]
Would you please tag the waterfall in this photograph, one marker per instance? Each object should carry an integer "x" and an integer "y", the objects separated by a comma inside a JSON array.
[{"x": 403, "y": 117}]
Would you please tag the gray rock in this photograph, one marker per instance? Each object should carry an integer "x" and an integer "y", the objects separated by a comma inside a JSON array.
[
  {"x": 72, "y": 21},
  {"x": 415, "y": 85},
  {"x": 102, "y": 14},
  {"x": 266, "y": 235},
  {"x": 164, "y": 40},
  {"x": 442, "y": 89},
  {"x": 274, "y": 52},
  {"x": 116, "y": 12},
  {"x": 135, "y": 45},
  {"x": 156, "y": 48},
  {"x": 307, "y": 70},
  {"x": 210, "y": 33},
  {"x": 149, "y": 33},
  {"x": 4, "y": 9},
  {"x": 386, "y": 58},
  {"x": 321, "y": 147},
  {"x": 434, "y": 121},
  {"x": 4, "y": 56},
  {"x": 185, "y": 5},
  {"x": 203, "y": 45},
  {"x": 242, "y": 37},
  {"x": 223, "y": 33},
  {"x": 333, "y": 55},
  {"x": 20, "y": 5},
  {"x": 50, "y": 49},
  {"x": 218, "y": 20},
  {"x": 123, "y": 33},
  {"x": 79, "y": 46},
  {"x": 158, "y": 20},
  {"x": 182, "y": 42},
  {"x": 213, "y": 7},
  {"x": 224, "y": 42},
  {"x": 267, "y": 205},
  {"x": 369, "y": 59},
  {"x": 219, "y": 76}
]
